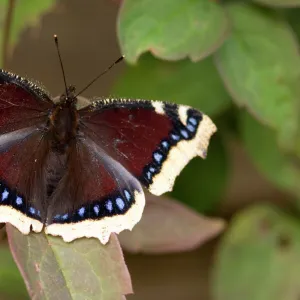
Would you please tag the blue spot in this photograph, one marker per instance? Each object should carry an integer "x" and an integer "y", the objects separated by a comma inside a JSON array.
[
  {"x": 19, "y": 200},
  {"x": 56, "y": 217},
  {"x": 65, "y": 217},
  {"x": 5, "y": 194},
  {"x": 152, "y": 170},
  {"x": 96, "y": 209},
  {"x": 81, "y": 211},
  {"x": 175, "y": 137},
  {"x": 32, "y": 210},
  {"x": 127, "y": 195},
  {"x": 149, "y": 175},
  {"x": 109, "y": 206},
  {"x": 120, "y": 203},
  {"x": 165, "y": 144},
  {"x": 157, "y": 156},
  {"x": 191, "y": 128},
  {"x": 38, "y": 213},
  {"x": 193, "y": 121},
  {"x": 184, "y": 133}
]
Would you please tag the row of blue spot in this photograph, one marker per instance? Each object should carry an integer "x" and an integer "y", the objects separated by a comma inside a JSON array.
[
  {"x": 111, "y": 206},
  {"x": 160, "y": 155},
  {"x": 18, "y": 202}
]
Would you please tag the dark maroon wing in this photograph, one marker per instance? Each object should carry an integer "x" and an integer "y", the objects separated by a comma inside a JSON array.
[
  {"x": 95, "y": 197},
  {"x": 24, "y": 109},
  {"x": 153, "y": 140},
  {"x": 22, "y": 104}
]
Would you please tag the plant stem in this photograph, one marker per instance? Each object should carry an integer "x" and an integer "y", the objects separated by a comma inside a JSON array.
[{"x": 7, "y": 28}]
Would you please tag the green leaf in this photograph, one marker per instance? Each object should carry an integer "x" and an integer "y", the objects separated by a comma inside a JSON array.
[
  {"x": 83, "y": 269},
  {"x": 279, "y": 3},
  {"x": 260, "y": 65},
  {"x": 262, "y": 146},
  {"x": 160, "y": 232},
  {"x": 11, "y": 282},
  {"x": 194, "y": 185},
  {"x": 293, "y": 17},
  {"x": 25, "y": 14},
  {"x": 259, "y": 257},
  {"x": 171, "y": 29},
  {"x": 183, "y": 82}
]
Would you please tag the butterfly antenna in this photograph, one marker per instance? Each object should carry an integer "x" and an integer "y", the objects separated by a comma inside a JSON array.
[
  {"x": 105, "y": 71},
  {"x": 61, "y": 63}
]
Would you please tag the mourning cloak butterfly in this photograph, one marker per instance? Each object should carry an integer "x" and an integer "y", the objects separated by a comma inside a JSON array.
[{"x": 79, "y": 172}]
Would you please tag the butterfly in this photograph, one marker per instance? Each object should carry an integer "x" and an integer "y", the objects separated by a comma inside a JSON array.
[{"x": 79, "y": 172}]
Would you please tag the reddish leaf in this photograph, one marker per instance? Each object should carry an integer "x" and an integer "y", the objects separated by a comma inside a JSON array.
[
  {"x": 83, "y": 269},
  {"x": 169, "y": 226}
]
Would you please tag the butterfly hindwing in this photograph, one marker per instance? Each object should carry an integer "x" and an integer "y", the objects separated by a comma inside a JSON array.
[
  {"x": 22, "y": 184},
  {"x": 99, "y": 196},
  {"x": 153, "y": 140}
]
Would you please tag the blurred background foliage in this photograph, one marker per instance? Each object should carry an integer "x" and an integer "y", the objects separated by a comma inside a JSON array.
[{"x": 237, "y": 61}]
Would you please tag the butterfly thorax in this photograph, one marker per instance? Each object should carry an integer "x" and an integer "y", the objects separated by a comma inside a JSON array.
[{"x": 64, "y": 122}]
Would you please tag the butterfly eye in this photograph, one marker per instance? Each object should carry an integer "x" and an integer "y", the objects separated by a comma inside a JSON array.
[{"x": 71, "y": 90}]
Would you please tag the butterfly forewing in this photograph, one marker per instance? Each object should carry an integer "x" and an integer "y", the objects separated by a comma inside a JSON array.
[
  {"x": 153, "y": 140},
  {"x": 21, "y": 105}
]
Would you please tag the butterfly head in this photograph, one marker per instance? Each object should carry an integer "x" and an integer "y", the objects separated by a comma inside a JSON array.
[{"x": 68, "y": 98}]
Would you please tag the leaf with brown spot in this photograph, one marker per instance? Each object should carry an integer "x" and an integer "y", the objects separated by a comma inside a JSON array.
[{"x": 83, "y": 269}]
